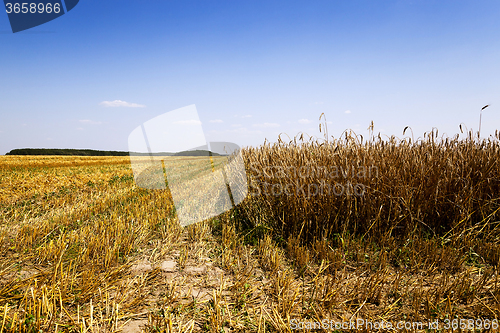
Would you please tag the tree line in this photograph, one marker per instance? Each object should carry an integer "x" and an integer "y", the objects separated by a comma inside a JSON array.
[{"x": 91, "y": 152}]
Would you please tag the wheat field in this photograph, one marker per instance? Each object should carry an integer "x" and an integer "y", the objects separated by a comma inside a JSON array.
[{"x": 342, "y": 230}]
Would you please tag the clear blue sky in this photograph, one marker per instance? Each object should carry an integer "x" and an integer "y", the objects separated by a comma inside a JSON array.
[{"x": 253, "y": 68}]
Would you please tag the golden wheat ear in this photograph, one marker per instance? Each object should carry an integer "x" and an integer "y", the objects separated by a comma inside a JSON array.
[{"x": 480, "y": 116}]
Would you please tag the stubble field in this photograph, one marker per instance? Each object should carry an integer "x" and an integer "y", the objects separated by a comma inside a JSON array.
[{"x": 340, "y": 231}]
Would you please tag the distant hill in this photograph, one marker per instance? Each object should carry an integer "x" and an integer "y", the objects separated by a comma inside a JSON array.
[
  {"x": 91, "y": 152},
  {"x": 195, "y": 153}
]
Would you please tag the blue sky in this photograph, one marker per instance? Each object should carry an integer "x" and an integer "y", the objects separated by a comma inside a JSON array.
[{"x": 253, "y": 69}]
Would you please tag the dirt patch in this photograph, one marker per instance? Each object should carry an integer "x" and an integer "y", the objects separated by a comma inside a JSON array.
[
  {"x": 168, "y": 266},
  {"x": 134, "y": 326},
  {"x": 143, "y": 266}
]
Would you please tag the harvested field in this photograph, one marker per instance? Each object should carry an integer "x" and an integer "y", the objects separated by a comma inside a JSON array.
[{"x": 85, "y": 250}]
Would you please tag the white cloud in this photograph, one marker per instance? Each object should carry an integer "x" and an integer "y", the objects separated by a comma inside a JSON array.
[
  {"x": 267, "y": 125},
  {"x": 90, "y": 122},
  {"x": 118, "y": 103},
  {"x": 188, "y": 122},
  {"x": 79, "y": 128},
  {"x": 235, "y": 125},
  {"x": 347, "y": 111},
  {"x": 304, "y": 121},
  {"x": 216, "y": 121},
  {"x": 319, "y": 103},
  {"x": 247, "y": 116},
  {"x": 329, "y": 122}
]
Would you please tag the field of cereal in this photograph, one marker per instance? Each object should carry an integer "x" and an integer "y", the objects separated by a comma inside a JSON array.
[{"x": 83, "y": 249}]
